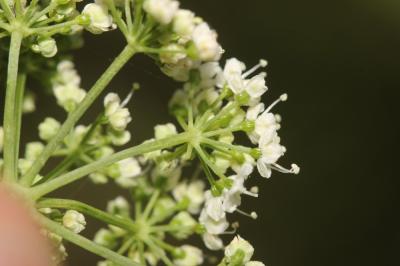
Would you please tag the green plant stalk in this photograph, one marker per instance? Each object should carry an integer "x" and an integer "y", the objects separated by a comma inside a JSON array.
[
  {"x": 86, "y": 243},
  {"x": 121, "y": 222},
  {"x": 9, "y": 123},
  {"x": 74, "y": 116},
  {"x": 7, "y": 10},
  {"x": 65, "y": 179},
  {"x": 21, "y": 81}
]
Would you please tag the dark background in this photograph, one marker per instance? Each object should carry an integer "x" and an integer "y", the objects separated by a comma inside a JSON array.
[{"x": 339, "y": 63}]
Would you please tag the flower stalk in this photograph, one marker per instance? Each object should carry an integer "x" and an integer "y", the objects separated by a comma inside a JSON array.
[
  {"x": 126, "y": 54},
  {"x": 10, "y": 110}
]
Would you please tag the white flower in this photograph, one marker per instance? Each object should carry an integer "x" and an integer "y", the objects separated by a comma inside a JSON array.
[
  {"x": 210, "y": 74},
  {"x": 98, "y": 178},
  {"x": 1, "y": 138},
  {"x": 255, "y": 86},
  {"x": 118, "y": 116},
  {"x": 67, "y": 74},
  {"x": 263, "y": 123},
  {"x": 180, "y": 70},
  {"x": 120, "y": 138},
  {"x": 128, "y": 169},
  {"x": 163, "y": 11},
  {"x": 163, "y": 207},
  {"x": 212, "y": 242},
  {"x": 164, "y": 131},
  {"x": 48, "y": 128},
  {"x": 28, "y": 105},
  {"x": 271, "y": 151},
  {"x": 214, "y": 207},
  {"x": 232, "y": 197},
  {"x": 233, "y": 75},
  {"x": 193, "y": 191},
  {"x": 100, "y": 20},
  {"x": 74, "y": 221},
  {"x": 24, "y": 165},
  {"x": 237, "y": 244},
  {"x": 236, "y": 80},
  {"x": 105, "y": 238},
  {"x": 212, "y": 226},
  {"x": 118, "y": 206},
  {"x": 186, "y": 224},
  {"x": 254, "y": 263},
  {"x": 68, "y": 96},
  {"x": 192, "y": 257},
  {"x": 205, "y": 41},
  {"x": 46, "y": 46},
  {"x": 33, "y": 150},
  {"x": 172, "y": 53},
  {"x": 184, "y": 23}
]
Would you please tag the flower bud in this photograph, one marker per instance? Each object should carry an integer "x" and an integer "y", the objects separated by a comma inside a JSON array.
[
  {"x": 100, "y": 20},
  {"x": 185, "y": 225},
  {"x": 69, "y": 96},
  {"x": 46, "y": 46},
  {"x": 105, "y": 238},
  {"x": 119, "y": 206},
  {"x": 33, "y": 150},
  {"x": 245, "y": 250},
  {"x": 184, "y": 22},
  {"x": 205, "y": 41},
  {"x": 75, "y": 221},
  {"x": 48, "y": 128},
  {"x": 193, "y": 257},
  {"x": 163, "y": 11},
  {"x": 163, "y": 131},
  {"x": 28, "y": 105}
]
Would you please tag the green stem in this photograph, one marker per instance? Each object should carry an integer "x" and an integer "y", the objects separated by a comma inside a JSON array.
[
  {"x": 87, "y": 244},
  {"x": 158, "y": 251},
  {"x": 43, "y": 189},
  {"x": 7, "y": 10},
  {"x": 55, "y": 27},
  {"x": 21, "y": 81},
  {"x": 18, "y": 8},
  {"x": 43, "y": 12},
  {"x": 60, "y": 168},
  {"x": 223, "y": 131},
  {"x": 88, "y": 210},
  {"x": 223, "y": 112},
  {"x": 128, "y": 15},
  {"x": 10, "y": 125},
  {"x": 227, "y": 146},
  {"x": 150, "y": 204},
  {"x": 73, "y": 117},
  {"x": 204, "y": 156}
]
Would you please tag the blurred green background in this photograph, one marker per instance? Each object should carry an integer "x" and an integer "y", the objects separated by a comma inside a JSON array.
[{"x": 339, "y": 61}]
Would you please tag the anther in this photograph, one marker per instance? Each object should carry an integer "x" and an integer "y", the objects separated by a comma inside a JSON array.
[
  {"x": 262, "y": 63},
  {"x": 252, "y": 215},
  {"x": 281, "y": 98},
  {"x": 295, "y": 169}
]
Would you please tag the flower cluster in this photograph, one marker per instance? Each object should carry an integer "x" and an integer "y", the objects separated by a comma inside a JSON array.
[{"x": 186, "y": 180}]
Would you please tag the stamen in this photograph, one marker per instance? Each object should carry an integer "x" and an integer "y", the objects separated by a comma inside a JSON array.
[
  {"x": 251, "y": 194},
  {"x": 127, "y": 99},
  {"x": 281, "y": 98},
  {"x": 295, "y": 169},
  {"x": 235, "y": 227},
  {"x": 262, "y": 63},
  {"x": 252, "y": 215}
]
